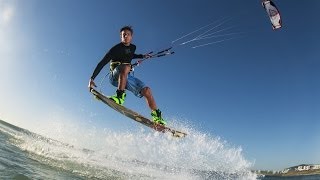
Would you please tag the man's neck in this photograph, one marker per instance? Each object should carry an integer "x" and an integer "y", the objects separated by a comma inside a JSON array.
[{"x": 126, "y": 44}]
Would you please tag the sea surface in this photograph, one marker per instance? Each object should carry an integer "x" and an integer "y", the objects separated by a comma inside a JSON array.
[
  {"x": 107, "y": 154},
  {"x": 305, "y": 177}
]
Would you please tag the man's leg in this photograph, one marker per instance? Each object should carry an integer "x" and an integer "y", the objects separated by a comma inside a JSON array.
[
  {"x": 155, "y": 112},
  {"x": 139, "y": 89},
  {"x": 146, "y": 92},
  {"x": 124, "y": 71}
]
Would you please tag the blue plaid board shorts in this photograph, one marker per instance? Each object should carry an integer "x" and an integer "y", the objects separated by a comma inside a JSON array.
[{"x": 134, "y": 84}]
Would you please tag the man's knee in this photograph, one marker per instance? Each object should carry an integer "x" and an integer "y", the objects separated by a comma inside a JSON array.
[
  {"x": 146, "y": 91},
  {"x": 125, "y": 69}
]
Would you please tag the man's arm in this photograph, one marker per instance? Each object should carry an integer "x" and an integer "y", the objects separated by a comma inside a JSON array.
[
  {"x": 138, "y": 56},
  {"x": 106, "y": 59},
  {"x": 97, "y": 70}
]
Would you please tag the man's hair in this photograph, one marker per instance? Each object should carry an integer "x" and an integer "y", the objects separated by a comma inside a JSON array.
[{"x": 129, "y": 28}]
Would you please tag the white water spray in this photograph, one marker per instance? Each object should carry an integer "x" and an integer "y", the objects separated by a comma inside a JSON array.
[{"x": 143, "y": 154}]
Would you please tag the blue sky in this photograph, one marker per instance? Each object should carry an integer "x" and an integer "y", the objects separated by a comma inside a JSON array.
[{"x": 260, "y": 91}]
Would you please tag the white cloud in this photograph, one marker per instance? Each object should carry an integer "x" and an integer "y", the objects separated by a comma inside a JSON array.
[{"x": 7, "y": 13}]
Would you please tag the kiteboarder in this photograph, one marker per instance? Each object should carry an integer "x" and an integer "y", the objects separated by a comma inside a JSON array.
[{"x": 120, "y": 57}]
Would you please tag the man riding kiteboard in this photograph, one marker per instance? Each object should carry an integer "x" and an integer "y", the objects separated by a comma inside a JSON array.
[{"x": 120, "y": 57}]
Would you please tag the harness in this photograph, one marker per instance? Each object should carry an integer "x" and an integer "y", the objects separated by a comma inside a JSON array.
[{"x": 115, "y": 64}]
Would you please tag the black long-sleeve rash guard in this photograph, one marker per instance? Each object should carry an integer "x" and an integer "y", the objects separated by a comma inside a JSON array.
[{"x": 118, "y": 53}]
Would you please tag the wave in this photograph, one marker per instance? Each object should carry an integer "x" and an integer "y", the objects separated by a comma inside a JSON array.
[{"x": 139, "y": 154}]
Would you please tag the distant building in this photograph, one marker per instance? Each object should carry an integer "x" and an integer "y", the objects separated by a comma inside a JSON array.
[
  {"x": 307, "y": 167},
  {"x": 303, "y": 168},
  {"x": 285, "y": 171},
  {"x": 314, "y": 167}
]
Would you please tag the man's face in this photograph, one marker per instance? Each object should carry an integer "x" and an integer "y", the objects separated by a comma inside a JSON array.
[{"x": 126, "y": 37}]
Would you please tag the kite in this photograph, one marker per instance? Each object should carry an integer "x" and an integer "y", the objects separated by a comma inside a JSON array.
[{"x": 273, "y": 13}]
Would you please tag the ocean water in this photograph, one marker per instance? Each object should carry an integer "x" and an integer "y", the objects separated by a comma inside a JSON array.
[
  {"x": 68, "y": 152},
  {"x": 72, "y": 153}
]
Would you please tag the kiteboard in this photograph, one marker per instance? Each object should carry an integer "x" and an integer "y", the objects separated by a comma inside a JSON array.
[{"x": 136, "y": 116}]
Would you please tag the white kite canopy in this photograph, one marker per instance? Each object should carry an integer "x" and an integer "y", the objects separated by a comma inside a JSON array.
[{"x": 273, "y": 13}]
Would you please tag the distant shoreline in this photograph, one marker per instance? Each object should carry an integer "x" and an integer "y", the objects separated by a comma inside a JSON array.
[{"x": 290, "y": 173}]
